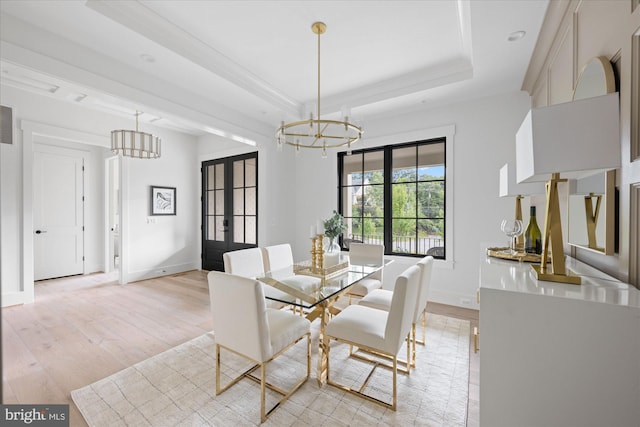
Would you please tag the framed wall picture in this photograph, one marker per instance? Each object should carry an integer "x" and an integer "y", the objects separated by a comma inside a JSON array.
[{"x": 163, "y": 200}]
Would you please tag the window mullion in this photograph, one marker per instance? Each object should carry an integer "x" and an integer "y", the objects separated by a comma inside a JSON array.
[{"x": 388, "y": 205}]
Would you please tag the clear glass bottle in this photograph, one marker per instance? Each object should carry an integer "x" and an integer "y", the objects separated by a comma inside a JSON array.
[{"x": 532, "y": 236}]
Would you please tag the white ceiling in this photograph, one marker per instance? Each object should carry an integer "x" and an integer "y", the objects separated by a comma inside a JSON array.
[{"x": 237, "y": 68}]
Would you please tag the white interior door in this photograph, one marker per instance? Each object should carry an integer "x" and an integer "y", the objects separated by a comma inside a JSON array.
[{"x": 58, "y": 218}]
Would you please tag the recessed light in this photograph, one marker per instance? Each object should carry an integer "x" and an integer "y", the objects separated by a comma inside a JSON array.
[
  {"x": 147, "y": 58},
  {"x": 516, "y": 35}
]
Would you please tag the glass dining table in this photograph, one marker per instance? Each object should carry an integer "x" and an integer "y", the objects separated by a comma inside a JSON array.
[{"x": 316, "y": 294}]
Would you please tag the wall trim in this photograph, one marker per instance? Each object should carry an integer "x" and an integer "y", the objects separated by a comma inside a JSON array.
[
  {"x": 13, "y": 298},
  {"x": 134, "y": 276},
  {"x": 635, "y": 96},
  {"x": 634, "y": 232},
  {"x": 558, "y": 16},
  {"x": 30, "y": 130}
]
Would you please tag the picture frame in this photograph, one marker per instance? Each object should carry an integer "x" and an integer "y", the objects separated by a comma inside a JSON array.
[{"x": 163, "y": 200}]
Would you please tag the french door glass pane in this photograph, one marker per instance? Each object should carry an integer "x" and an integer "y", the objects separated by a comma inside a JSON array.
[
  {"x": 250, "y": 228},
  {"x": 219, "y": 184},
  {"x": 250, "y": 201},
  {"x": 219, "y": 202},
  {"x": 211, "y": 177},
  {"x": 238, "y": 173},
  {"x": 238, "y": 201},
  {"x": 238, "y": 229},
  {"x": 211, "y": 203},
  {"x": 211, "y": 228},
  {"x": 219, "y": 228},
  {"x": 250, "y": 172}
]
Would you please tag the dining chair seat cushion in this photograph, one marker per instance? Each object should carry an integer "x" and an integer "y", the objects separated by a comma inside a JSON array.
[
  {"x": 378, "y": 298},
  {"x": 363, "y": 325},
  {"x": 285, "y": 328},
  {"x": 364, "y": 286},
  {"x": 302, "y": 283},
  {"x": 271, "y": 292}
]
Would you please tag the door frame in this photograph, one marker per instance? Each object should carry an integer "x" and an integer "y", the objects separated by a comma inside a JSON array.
[
  {"x": 107, "y": 207},
  {"x": 30, "y": 132},
  {"x": 228, "y": 162},
  {"x": 44, "y": 148}
]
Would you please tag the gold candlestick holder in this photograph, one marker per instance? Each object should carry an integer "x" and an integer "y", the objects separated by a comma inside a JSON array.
[
  {"x": 314, "y": 259},
  {"x": 319, "y": 252}
]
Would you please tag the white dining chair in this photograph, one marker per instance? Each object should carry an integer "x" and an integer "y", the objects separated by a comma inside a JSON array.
[
  {"x": 368, "y": 254},
  {"x": 245, "y": 326},
  {"x": 249, "y": 263},
  {"x": 381, "y": 299},
  {"x": 378, "y": 331},
  {"x": 278, "y": 259}
]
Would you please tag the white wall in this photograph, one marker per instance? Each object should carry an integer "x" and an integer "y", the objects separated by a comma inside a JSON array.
[
  {"x": 10, "y": 220},
  {"x": 484, "y": 141},
  {"x": 161, "y": 245},
  {"x": 277, "y": 205},
  {"x": 293, "y": 191},
  {"x": 168, "y": 246}
]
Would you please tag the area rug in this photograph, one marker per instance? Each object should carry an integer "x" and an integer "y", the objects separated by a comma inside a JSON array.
[{"x": 177, "y": 387}]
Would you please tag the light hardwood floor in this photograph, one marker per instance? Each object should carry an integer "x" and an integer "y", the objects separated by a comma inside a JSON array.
[{"x": 81, "y": 329}]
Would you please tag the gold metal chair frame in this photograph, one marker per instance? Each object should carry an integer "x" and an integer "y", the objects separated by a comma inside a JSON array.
[
  {"x": 262, "y": 380},
  {"x": 404, "y": 367},
  {"x": 376, "y": 363},
  {"x": 411, "y": 343}
]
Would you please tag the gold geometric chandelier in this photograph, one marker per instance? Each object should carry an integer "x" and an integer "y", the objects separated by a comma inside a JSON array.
[
  {"x": 133, "y": 143},
  {"x": 317, "y": 132}
]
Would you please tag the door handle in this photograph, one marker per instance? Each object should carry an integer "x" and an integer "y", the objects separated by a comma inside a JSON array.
[{"x": 40, "y": 231}]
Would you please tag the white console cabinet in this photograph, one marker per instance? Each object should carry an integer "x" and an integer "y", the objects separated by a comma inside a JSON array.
[{"x": 555, "y": 354}]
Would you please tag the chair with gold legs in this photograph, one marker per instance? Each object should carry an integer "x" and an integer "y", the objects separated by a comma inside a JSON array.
[
  {"x": 381, "y": 332},
  {"x": 245, "y": 326},
  {"x": 381, "y": 299},
  {"x": 278, "y": 259},
  {"x": 250, "y": 263},
  {"x": 366, "y": 254}
]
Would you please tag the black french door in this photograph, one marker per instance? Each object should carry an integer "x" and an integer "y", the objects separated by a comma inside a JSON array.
[{"x": 229, "y": 207}]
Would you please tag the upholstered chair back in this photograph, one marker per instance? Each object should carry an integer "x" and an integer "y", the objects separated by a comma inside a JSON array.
[
  {"x": 240, "y": 315},
  {"x": 367, "y": 253},
  {"x": 402, "y": 307},
  {"x": 277, "y": 257},
  {"x": 245, "y": 262},
  {"x": 426, "y": 266}
]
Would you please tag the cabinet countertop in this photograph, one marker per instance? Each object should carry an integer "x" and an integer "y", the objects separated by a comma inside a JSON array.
[{"x": 513, "y": 276}]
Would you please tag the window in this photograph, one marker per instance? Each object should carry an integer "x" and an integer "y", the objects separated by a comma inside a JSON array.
[{"x": 395, "y": 195}]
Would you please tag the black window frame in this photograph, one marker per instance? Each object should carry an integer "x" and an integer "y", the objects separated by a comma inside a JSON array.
[{"x": 388, "y": 208}]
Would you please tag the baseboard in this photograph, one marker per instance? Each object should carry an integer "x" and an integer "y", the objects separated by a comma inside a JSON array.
[
  {"x": 13, "y": 298},
  {"x": 454, "y": 298},
  {"x": 160, "y": 271}
]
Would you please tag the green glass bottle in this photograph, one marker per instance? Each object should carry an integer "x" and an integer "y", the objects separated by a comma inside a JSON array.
[{"x": 532, "y": 236}]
